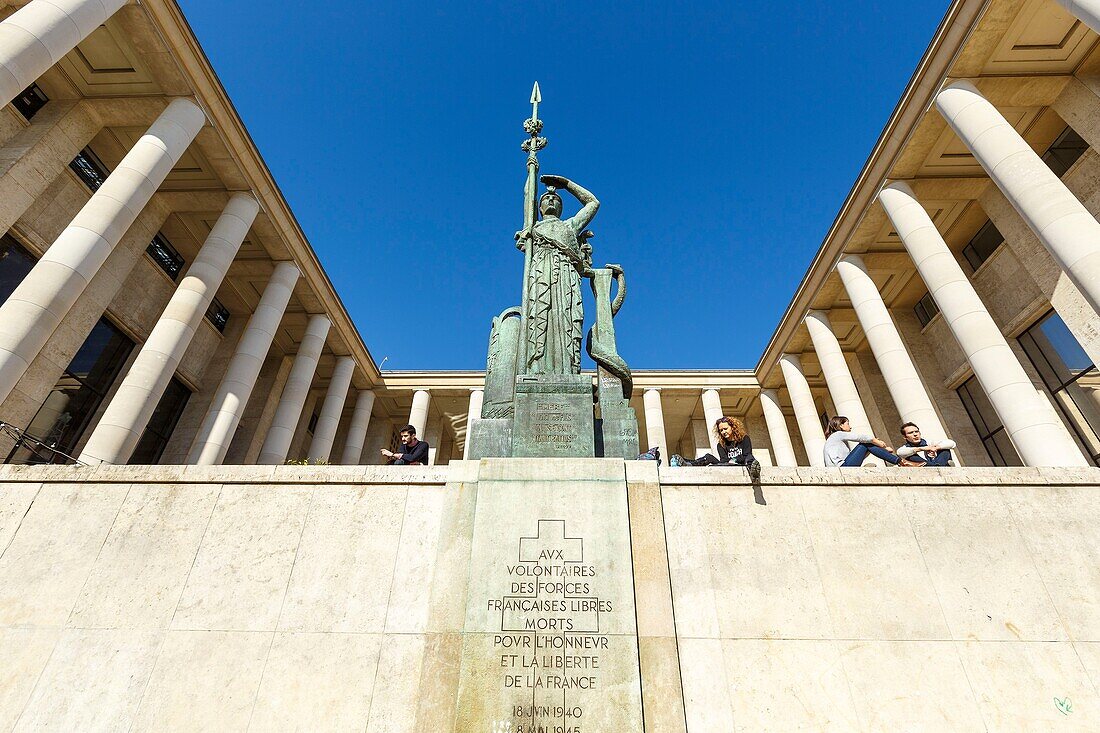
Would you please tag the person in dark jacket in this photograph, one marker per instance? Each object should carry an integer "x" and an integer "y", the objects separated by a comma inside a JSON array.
[
  {"x": 735, "y": 445},
  {"x": 734, "y": 448},
  {"x": 415, "y": 453}
]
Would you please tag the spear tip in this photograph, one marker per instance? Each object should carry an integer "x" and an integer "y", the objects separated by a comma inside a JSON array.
[{"x": 536, "y": 95}]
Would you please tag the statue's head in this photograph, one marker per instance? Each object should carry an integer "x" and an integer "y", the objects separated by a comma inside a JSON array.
[{"x": 550, "y": 203}]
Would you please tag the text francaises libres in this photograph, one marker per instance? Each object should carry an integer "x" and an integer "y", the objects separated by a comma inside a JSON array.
[
  {"x": 553, "y": 423},
  {"x": 550, "y": 643}
]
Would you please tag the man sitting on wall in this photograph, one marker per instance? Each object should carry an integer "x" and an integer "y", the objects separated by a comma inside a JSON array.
[
  {"x": 415, "y": 453},
  {"x": 917, "y": 450},
  {"x": 837, "y": 453}
]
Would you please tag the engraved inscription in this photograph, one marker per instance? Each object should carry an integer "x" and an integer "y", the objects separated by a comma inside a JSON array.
[{"x": 551, "y": 641}]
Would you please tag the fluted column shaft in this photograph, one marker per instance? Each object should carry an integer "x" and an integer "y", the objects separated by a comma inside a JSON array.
[
  {"x": 782, "y": 448},
  {"x": 229, "y": 402},
  {"x": 293, "y": 399},
  {"x": 655, "y": 423},
  {"x": 842, "y": 388},
  {"x": 1086, "y": 10},
  {"x": 33, "y": 311},
  {"x": 477, "y": 399},
  {"x": 1062, "y": 223},
  {"x": 127, "y": 415},
  {"x": 902, "y": 380},
  {"x": 324, "y": 432},
  {"x": 36, "y": 36},
  {"x": 357, "y": 429},
  {"x": 1039, "y": 436},
  {"x": 805, "y": 412},
  {"x": 418, "y": 416},
  {"x": 712, "y": 410}
]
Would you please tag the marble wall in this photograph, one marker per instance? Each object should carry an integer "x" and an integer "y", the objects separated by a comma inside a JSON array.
[{"x": 330, "y": 598}]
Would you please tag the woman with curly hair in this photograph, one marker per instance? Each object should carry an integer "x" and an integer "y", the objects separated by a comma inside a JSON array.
[
  {"x": 734, "y": 448},
  {"x": 735, "y": 445}
]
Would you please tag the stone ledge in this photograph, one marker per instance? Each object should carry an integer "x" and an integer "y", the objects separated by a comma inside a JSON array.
[
  {"x": 881, "y": 476},
  {"x": 538, "y": 468},
  {"x": 357, "y": 475}
]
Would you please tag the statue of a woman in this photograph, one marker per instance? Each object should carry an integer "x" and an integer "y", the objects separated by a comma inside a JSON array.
[{"x": 554, "y": 310}]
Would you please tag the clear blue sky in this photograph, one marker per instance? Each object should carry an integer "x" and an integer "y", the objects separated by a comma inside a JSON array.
[{"x": 720, "y": 137}]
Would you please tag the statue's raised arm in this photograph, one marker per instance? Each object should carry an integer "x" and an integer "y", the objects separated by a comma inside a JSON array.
[{"x": 589, "y": 203}]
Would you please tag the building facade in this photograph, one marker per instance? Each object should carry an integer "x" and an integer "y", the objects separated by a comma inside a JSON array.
[{"x": 160, "y": 304}]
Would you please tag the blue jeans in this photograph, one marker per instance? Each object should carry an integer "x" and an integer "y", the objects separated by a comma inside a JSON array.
[
  {"x": 941, "y": 459},
  {"x": 859, "y": 455}
]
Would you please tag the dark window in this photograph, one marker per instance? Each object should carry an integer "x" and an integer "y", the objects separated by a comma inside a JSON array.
[
  {"x": 64, "y": 416},
  {"x": 218, "y": 314},
  {"x": 15, "y": 263},
  {"x": 988, "y": 424},
  {"x": 90, "y": 169},
  {"x": 1069, "y": 375},
  {"x": 1064, "y": 152},
  {"x": 983, "y": 245},
  {"x": 926, "y": 309},
  {"x": 166, "y": 256},
  {"x": 154, "y": 440},
  {"x": 312, "y": 423},
  {"x": 30, "y": 101}
]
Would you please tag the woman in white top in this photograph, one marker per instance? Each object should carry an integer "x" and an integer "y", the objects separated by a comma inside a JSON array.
[{"x": 837, "y": 453}]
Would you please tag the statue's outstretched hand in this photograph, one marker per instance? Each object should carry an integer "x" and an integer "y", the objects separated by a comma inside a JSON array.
[{"x": 556, "y": 181}]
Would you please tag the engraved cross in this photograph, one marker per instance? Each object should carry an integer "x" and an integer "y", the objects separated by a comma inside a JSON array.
[{"x": 550, "y": 544}]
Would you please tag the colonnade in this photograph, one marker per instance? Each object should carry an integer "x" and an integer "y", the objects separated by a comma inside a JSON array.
[
  {"x": 32, "y": 40},
  {"x": 1064, "y": 226}
]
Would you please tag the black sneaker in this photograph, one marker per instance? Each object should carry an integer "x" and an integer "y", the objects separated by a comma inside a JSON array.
[{"x": 754, "y": 470}]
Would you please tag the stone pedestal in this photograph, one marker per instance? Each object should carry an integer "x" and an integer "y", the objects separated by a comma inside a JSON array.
[
  {"x": 490, "y": 437},
  {"x": 617, "y": 428},
  {"x": 554, "y": 416},
  {"x": 550, "y": 640}
]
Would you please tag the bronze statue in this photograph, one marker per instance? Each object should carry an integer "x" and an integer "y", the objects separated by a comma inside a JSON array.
[
  {"x": 537, "y": 402},
  {"x": 555, "y": 315}
]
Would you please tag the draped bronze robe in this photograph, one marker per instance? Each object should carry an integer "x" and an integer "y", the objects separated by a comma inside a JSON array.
[{"x": 555, "y": 310}]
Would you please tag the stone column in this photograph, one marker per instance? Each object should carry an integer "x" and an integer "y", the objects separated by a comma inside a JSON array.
[
  {"x": 655, "y": 423},
  {"x": 418, "y": 416},
  {"x": 805, "y": 412},
  {"x": 324, "y": 433},
  {"x": 477, "y": 399},
  {"x": 126, "y": 417},
  {"x": 905, "y": 385},
  {"x": 1087, "y": 11},
  {"x": 1038, "y": 434},
  {"x": 281, "y": 433},
  {"x": 229, "y": 402},
  {"x": 834, "y": 368},
  {"x": 435, "y": 439},
  {"x": 36, "y": 36},
  {"x": 1062, "y": 223},
  {"x": 357, "y": 429},
  {"x": 782, "y": 448},
  {"x": 32, "y": 313},
  {"x": 712, "y": 410}
]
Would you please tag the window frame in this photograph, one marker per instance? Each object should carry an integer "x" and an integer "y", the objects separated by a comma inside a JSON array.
[
  {"x": 94, "y": 171},
  {"x": 1062, "y": 385},
  {"x": 172, "y": 254},
  {"x": 1052, "y": 152},
  {"x": 30, "y": 101},
  {"x": 160, "y": 439},
  {"x": 987, "y": 436}
]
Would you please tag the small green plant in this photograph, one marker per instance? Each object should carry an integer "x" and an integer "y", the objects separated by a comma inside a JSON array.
[{"x": 304, "y": 462}]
